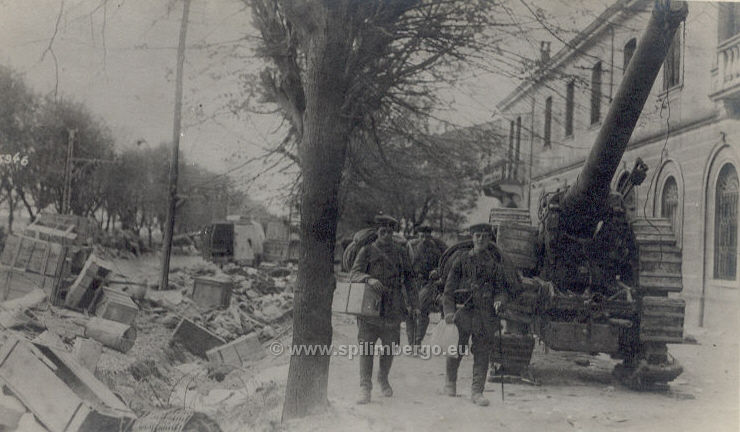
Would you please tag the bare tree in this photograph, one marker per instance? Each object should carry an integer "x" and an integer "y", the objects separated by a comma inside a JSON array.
[{"x": 339, "y": 69}]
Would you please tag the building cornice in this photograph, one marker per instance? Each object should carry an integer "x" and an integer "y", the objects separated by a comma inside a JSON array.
[
  {"x": 571, "y": 49},
  {"x": 647, "y": 140}
]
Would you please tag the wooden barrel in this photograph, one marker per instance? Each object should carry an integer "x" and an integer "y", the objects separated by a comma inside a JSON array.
[
  {"x": 519, "y": 243},
  {"x": 175, "y": 419},
  {"x": 119, "y": 336}
]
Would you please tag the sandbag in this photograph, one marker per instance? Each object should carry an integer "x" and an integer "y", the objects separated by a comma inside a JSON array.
[{"x": 445, "y": 336}]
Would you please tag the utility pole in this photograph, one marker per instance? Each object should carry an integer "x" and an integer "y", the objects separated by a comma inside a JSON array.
[
  {"x": 67, "y": 192},
  {"x": 169, "y": 228},
  {"x": 68, "y": 168}
]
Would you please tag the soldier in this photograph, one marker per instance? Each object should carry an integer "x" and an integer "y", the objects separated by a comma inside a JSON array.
[
  {"x": 425, "y": 254},
  {"x": 387, "y": 262},
  {"x": 479, "y": 281}
]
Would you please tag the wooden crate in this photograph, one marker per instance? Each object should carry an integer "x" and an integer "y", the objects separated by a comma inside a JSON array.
[
  {"x": 116, "y": 306},
  {"x": 16, "y": 283},
  {"x": 195, "y": 338},
  {"x": 27, "y": 263},
  {"x": 211, "y": 292},
  {"x": 65, "y": 229},
  {"x": 355, "y": 298},
  {"x": 237, "y": 352},
  {"x": 275, "y": 250},
  {"x": 519, "y": 243},
  {"x": 504, "y": 215},
  {"x": 40, "y": 232},
  {"x": 93, "y": 276},
  {"x": 661, "y": 319},
  {"x": 35, "y": 256},
  {"x": 61, "y": 393}
]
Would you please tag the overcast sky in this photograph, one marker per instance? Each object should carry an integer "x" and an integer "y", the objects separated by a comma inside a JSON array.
[{"x": 118, "y": 57}]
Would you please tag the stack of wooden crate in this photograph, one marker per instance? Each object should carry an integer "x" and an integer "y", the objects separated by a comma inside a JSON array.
[
  {"x": 28, "y": 263},
  {"x": 61, "y": 393},
  {"x": 511, "y": 215},
  {"x": 64, "y": 229}
]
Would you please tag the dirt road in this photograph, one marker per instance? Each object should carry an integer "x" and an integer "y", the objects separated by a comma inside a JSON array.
[{"x": 569, "y": 398}]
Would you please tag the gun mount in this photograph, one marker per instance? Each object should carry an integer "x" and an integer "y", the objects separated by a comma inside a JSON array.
[{"x": 600, "y": 279}]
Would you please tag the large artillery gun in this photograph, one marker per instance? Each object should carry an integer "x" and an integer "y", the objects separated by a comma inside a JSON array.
[{"x": 598, "y": 280}]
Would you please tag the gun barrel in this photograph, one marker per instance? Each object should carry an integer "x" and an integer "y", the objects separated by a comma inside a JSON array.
[{"x": 586, "y": 198}]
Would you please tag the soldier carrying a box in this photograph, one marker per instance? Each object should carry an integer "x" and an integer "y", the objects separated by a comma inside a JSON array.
[{"x": 388, "y": 262}]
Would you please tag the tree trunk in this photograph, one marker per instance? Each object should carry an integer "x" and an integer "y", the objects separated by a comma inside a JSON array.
[
  {"x": 107, "y": 221},
  {"x": 322, "y": 152},
  {"x": 29, "y": 209}
]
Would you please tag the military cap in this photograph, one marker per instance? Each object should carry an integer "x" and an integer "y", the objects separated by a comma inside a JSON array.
[
  {"x": 481, "y": 227},
  {"x": 424, "y": 229},
  {"x": 385, "y": 220}
]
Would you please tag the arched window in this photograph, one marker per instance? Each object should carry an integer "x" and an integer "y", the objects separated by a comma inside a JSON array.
[
  {"x": 629, "y": 49},
  {"x": 629, "y": 199},
  {"x": 669, "y": 202},
  {"x": 725, "y": 224}
]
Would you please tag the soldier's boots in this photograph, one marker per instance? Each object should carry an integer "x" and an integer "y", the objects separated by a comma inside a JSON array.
[
  {"x": 478, "y": 399},
  {"x": 386, "y": 389},
  {"x": 364, "y": 396},
  {"x": 450, "y": 388},
  {"x": 386, "y": 361},
  {"x": 451, "y": 366}
]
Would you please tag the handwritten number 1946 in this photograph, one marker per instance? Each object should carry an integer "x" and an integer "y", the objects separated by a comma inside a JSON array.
[{"x": 14, "y": 159}]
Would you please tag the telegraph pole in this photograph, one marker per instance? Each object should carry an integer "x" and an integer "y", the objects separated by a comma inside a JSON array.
[
  {"x": 169, "y": 228},
  {"x": 67, "y": 192}
]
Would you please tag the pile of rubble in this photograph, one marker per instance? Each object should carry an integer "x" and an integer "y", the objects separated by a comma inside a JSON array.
[
  {"x": 229, "y": 302},
  {"x": 101, "y": 352}
]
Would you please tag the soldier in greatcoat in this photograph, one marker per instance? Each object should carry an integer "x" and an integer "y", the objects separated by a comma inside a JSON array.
[
  {"x": 425, "y": 254},
  {"x": 388, "y": 262},
  {"x": 479, "y": 284}
]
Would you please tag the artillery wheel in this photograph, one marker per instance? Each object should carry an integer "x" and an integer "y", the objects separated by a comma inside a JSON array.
[{"x": 644, "y": 376}]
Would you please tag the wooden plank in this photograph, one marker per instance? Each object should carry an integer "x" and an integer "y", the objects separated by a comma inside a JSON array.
[{"x": 102, "y": 399}]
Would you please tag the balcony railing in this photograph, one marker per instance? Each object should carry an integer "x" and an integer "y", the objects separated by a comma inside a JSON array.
[
  {"x": 727, "y": 79},
  {"x": 503, "y": 172}
]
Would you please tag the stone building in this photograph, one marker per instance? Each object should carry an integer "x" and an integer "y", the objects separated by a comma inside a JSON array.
[{"x": 688, "y": 134}]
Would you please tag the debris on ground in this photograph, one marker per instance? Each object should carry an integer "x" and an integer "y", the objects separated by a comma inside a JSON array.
[{"x": 99, "y": 348}]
